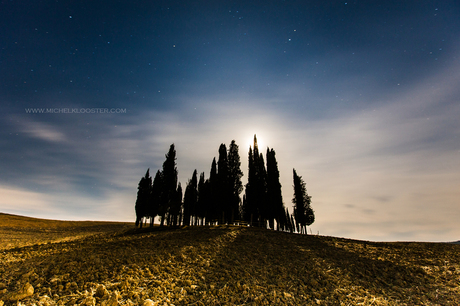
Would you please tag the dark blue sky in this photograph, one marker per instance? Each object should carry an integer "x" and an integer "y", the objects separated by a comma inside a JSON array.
[{"x": 361, "y": 97}]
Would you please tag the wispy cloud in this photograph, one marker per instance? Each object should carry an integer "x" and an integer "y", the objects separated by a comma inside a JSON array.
[
  {"x": 398, "y": 159},
  {"x": 40, "y": 130},
  {"x": 22, "y": 201}
]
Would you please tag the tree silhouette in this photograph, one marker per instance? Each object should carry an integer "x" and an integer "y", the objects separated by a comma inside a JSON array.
[
  {"x": 224, "y": 189},
  {"x": 143, "y": 197},
  {"x": 289, "y": 226},
  {"x": 155, "y": 197},
  {"x": 175, "y": 208},
  {"x": 190, "y": 198},
  {"x": 256, "y": 189},
  {"x": 178, "y": 201},
  {"x": 235, "y": 174},
  {"x": 249, "y": 208},
  {"x": 169, "y": 175},
  {"x": 262, "y": 190},
  {"x": 212, "y": 209},
  {"x": 202, "y": 200},
  {"x": 217, "y": 199},
  {"x": 303, "y": 213},
  {"x": 275, "y": 206}
]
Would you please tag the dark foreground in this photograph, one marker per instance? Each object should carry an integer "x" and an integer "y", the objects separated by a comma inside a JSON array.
[{"x": 223, "y": 266}]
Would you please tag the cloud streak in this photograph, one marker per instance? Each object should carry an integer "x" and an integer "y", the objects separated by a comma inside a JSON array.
[{"x": 42, "y": 131}]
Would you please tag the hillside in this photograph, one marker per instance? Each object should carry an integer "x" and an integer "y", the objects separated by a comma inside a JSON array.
[
  {"x": 226, "y": 265},
  {"x": 19, "y": 231}
]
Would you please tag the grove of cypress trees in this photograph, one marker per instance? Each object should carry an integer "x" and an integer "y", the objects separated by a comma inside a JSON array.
[{"x": 218, "y": 198}]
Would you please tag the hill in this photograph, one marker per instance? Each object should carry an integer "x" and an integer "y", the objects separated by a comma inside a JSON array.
[
  {"x": 227, "y": 265},
  {"x": 19, "y": 231}
]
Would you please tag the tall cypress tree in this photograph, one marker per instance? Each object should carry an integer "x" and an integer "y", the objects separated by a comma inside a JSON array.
[
  {"x": 262, "y": 191},
  {"x": 303, "y": 213},
  {"x": 169, "y": 174},
  {"x": 206, "y": 198},
  {"x": 143, "y": 197},
  {"x": 190, "y": 199},
  {"x": 212, "y": 207},
  {"x": 275, "y": 206},
  {"x": 256, "y": 189},
  {"x": 288, "y": 226},
  {"x": 202, "y": 198},
  {"x": 178, "y": 201},
  {"x": 155, "y": 197},
  {"x": 223, "y": 186},
  {"x": 249, "y": 209},
  {"x": 235, "y": 174},
  {"x": 175, "y": 208}
]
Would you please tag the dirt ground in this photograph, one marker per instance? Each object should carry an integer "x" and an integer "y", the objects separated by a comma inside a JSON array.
[
  {"x": 18, "y": 231},
  {"x": 115, "y": 264}
]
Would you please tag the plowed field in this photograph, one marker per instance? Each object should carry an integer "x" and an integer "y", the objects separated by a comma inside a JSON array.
[{"x": 114, "y": 264}]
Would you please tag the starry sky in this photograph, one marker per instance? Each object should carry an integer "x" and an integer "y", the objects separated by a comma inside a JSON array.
[{"x": 360, "y": 97}]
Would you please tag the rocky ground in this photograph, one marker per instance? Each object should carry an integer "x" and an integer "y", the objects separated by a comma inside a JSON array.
[{"x": 225, "y": 265}]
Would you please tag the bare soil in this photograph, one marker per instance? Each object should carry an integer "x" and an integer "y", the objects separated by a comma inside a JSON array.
[
  {"x": 18, "y": 231},
  {"x": 115, "y": 264}
]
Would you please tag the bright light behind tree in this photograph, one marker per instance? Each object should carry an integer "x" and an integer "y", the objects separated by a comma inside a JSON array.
[{"x": 262, "y": 144}]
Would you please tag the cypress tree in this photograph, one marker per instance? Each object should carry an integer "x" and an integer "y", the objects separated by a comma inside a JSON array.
[
  {"x": 155, "y": 197},
  {"x": 190, "y": 198},
  {"x": 212, "y": 211},
  {"x": 303, "y": 213},
  {"x": 256, "y": 189},
  {"x": 201, "y": 201},
  {"x": 178, "y": 201},
  {"x": 262, "y": 191},
  {"x": 175, "y": 208},
  {"x": 235, "y": 174},
  {"x": 206, "y": 198},
  {"x": 243, "y": 208},
  {"x": 169, "y": 174},
  {"x": 143, "y": 197},
  {"x": 248, "y": 208},
  {"x": 288, "y": 226},
  {"x": 275, "y": 206},
  {"x": 224, "y": 190}
]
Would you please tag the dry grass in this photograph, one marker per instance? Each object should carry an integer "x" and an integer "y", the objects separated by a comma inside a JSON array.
[{"x": 228, "y": 266}]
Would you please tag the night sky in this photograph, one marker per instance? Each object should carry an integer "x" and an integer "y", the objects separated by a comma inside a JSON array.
[{"x": 360, "y": 97}]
